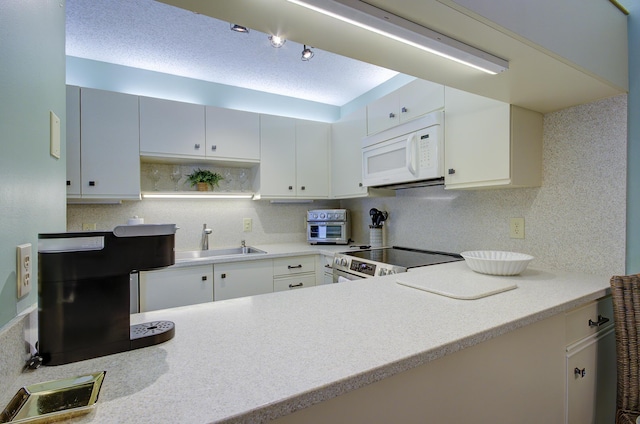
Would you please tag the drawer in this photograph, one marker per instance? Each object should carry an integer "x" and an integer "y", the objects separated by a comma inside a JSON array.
[
  {"x": 292, "y": 283},
  {"x": 583, "y": 322},
  {"x": 294, "y": 265}
]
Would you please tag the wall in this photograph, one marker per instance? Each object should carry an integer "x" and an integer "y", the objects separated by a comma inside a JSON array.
[
  {"x": 575, "y": 221},
  {"x": 32, "y": 191}
]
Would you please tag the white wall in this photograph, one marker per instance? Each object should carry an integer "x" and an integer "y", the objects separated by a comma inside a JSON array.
[
  {"x": 32, "y": 82},
  {"x": 575, "y": 221}
]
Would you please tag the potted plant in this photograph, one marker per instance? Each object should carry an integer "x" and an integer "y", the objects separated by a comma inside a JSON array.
[{"x": 203, "y": 179}]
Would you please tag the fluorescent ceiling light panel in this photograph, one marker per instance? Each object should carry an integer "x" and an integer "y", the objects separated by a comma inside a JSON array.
[{"x": 373, "y": 19}]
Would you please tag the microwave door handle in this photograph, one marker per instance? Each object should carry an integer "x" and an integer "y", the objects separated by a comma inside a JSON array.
[{"x": 412, "y": 143}]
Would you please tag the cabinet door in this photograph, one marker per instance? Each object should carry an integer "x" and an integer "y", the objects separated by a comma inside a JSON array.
[
  {"x": 312, "y": 159},
  {"x": 591, "y": 380},
  {"x": 171, "y": 128},
  {"x": 239, "y": 279},
  {"x": 232, "y": 134},
  {"x": 477, "y": 140},
  {"x": 277, "y": 156},
  {"x": 110, "y": 154},
  {"x": 346, "y": 155},
  {"x": 294, "y": 283},
  {"x": 418, "y": 98},
  {"x": 73, "y": 142},
  {"x": 383, "y": 113},
  {"x": 172, "y": 287}
]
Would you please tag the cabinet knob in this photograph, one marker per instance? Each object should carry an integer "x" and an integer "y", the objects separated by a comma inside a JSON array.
[
  {"x": 213, "y": 148},
  {"x": 197, "y": 146},
  {"x": 392, "y": 115},
  {"x": 601, "y": 321},
  {"x": 302, "y": 188},
  {"x": 92, "y": 183},
  {"x": 580, "y": 372},
  {"x": 68, "y": 182},
  {"x": 293, "y": 286},
  {"x": 452, "y": 171},
  {"x": 204, "y": 278},
  {"x": 359, "y": 184},
  {"x": 223, "y": 275},
  {"x": 404, "y": 110},
  {"x": 290, "y": 187}
]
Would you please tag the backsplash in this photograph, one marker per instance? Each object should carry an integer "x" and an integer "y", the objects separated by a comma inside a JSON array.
[
  {"x": 272, "y": 222},
  {"x": 575, "y": 221}
]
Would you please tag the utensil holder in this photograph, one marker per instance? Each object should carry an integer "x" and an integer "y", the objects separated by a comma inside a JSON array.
[{"x": 375, "y": 236}]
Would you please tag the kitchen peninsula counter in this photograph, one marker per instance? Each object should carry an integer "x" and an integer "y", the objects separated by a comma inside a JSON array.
[{"x": 258, "y": 358}]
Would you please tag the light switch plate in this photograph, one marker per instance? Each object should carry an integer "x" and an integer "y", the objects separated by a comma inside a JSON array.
[
  {"x": 23, "y": 269},
  {"x": 54, "y": 123}
]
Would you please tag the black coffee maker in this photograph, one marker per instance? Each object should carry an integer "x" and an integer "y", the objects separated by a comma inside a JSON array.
[{"x": 83, "y": 291}]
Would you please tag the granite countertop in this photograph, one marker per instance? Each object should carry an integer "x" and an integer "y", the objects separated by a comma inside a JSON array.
[{"x": 256, "y": 358}]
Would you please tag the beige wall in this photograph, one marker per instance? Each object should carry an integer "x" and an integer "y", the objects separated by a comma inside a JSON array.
[{"x": 575, "y": 221}]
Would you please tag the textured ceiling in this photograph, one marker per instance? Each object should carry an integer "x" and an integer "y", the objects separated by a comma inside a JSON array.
[{"x": 154, "y": 36}]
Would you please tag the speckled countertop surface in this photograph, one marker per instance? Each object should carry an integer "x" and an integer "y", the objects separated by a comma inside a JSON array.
[
  {"x": 255, "y": 358},
  {"x": 272, "y": 251}
]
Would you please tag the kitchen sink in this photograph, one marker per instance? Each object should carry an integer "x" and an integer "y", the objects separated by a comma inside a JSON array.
[{"x": 203, "y": 254}]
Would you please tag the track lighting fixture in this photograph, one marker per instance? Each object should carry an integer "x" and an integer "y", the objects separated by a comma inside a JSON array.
[
  {"x": 277, "y": 41},
  {"x": 307, "y": 53},
  {"x": 239, "y": 28}
]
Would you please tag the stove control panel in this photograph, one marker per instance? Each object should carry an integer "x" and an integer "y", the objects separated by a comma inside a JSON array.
[{"x": 363, "y": 267}]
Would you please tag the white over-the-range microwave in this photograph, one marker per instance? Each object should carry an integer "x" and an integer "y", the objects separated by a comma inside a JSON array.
[{"x": 408, "y": 155}]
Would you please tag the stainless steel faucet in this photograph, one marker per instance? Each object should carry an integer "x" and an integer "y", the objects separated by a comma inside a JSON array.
[{"x": 204, "y": 244}]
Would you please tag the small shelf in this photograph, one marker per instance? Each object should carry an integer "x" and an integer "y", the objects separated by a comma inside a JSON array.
[{"x": 198, "y": 195}]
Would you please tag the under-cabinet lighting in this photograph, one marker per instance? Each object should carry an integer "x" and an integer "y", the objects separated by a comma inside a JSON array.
[
  {"x": 371, "y": 18},
  {"x": 197, "y": 196}
]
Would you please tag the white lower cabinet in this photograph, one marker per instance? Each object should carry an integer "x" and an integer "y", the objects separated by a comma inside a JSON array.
[
  {"x": 172, "y": 287},
  {"x": 591, "y": 364},
  {"x": 295, "y": 272},
  {"x": 325, "y": 274},
  {"x": 239, "y": 279}
]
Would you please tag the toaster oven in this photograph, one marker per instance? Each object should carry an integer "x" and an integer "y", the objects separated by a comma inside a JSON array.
[{"x": 328, "y": 226}]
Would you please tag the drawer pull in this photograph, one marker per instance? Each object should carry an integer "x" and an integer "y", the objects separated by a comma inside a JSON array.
[
  {"x": 294, "y": 266},
  {"x": 579, "y": 372},
  {"x": 293, "y": 286},
  {"x": 204, "y": 278},
  {"x": 601, "y": 321}
]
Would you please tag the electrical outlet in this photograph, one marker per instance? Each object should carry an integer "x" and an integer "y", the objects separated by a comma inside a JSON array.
[
  {"x": 23, "y": 269},
  {"x": 89, "y": 227},
  {"x": 516, "y": 228},
  {"x": 247, "y": 225}
]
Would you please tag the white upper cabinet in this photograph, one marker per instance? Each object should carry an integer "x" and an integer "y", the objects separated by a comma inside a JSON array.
[
  {"x": 277, "y": 156},
  {"x": 169, "y": 128},
  {"x": 312, "y": 159},
  {"x": 110, "y": 149},
  {"x": 415, "y": 99},
  {"x": 73, "y": 141},
  {"x": 489, "y": 143},
  {"x": 346, "y": 155},
  {"x": 294, "y": 158},
  {"x": 232, "y": 134}
]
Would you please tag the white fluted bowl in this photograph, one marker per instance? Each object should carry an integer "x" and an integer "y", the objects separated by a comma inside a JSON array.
[{"x": 494, "y": 262}]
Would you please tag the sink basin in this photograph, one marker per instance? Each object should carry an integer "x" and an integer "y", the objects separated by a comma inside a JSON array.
[{"x": 203, "y": 254}]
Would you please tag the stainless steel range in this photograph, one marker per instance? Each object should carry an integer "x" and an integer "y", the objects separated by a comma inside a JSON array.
[{"x": 368, "y": 263}]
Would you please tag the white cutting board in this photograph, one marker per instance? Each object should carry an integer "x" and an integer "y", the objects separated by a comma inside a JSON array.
[{"x": 458, "y": 284}]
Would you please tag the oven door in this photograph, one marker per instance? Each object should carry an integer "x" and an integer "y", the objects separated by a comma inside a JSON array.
[
  {"x": 327, "y": 232},
  {"x": 339, "y": 275}
]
